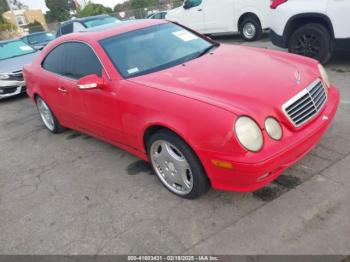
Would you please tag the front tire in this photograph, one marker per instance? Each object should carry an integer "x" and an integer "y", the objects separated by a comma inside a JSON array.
[
  {"x": 47, "y": 116},
  {"x": 250, "y": 29},
  {"x": 312, "y": 40},
  {"x": 176, "y": 165}
]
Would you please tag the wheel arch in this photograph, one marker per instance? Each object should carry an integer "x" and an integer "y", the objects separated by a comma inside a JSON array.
[
  {"x": 156, "y": 127},
  {"x": 244, "y": 16},
  {"x": 306, "y": 18}
]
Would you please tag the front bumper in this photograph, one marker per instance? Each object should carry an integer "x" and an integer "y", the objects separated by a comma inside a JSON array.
[
  {"x": 11, "y": 88},
  {"x": 249, "y": 175}
]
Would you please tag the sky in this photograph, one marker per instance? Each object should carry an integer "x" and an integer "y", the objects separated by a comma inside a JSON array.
[{"x": 40, "y": 4}]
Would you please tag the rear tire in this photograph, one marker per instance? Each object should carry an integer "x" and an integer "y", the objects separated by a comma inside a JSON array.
[
  {"x": 47, "y": 116},
  {"x": 176, "y": 165},
  {"x": 250, "y": 29},
  {"x": 312, "y": 40}
]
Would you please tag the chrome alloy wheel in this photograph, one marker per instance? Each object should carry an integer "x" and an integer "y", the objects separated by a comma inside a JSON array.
[
  {"x": 171, "y": 167},
  {"x": 45, "y": 114},
  {"x": 249, "y": 30}
]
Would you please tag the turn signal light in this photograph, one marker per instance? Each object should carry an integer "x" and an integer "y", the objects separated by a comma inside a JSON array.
[{"x": 222, "y": 164}]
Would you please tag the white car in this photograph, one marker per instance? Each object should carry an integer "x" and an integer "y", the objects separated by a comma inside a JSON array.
[
  {"x": 312, "y": 28},
  {"x": 249, "y": 17}
]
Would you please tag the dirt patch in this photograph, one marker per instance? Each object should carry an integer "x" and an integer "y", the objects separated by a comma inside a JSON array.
[
  {"x": 73, "y": 136},
  {"x": 289, "y": 182},
  {"x": 139, "y": 167},
  {"x": 270, "y": 192}
]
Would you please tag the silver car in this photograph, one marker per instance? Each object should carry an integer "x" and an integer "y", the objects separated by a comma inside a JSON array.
[{"x": 14, "y": 54}]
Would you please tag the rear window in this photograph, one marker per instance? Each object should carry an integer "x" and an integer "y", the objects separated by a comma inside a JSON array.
[{"x": 100, "y": 21}]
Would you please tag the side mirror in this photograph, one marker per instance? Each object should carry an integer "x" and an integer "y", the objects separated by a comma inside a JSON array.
[
  {"x": 187, "y": 5},
  {"x": 39, "y": 48},
  {"x": 90, "y": 82}
]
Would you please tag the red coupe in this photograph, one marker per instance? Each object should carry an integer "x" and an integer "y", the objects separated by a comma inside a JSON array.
[{"x": 203, "y": 113}]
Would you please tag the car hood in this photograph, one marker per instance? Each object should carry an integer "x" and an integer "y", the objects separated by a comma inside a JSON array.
[
  {"x": 16, "y": 64},
  {"x": 240, "y": 79}
]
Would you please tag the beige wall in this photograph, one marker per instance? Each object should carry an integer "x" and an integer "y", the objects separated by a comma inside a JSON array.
[
  {"x": 32, "y": 15},
  {"x": 29, "y": 15}
]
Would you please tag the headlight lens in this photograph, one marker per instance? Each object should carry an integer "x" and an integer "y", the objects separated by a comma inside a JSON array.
[
  {"x": 324, "y": 75},
  {"x": 249, "y": 134},
  {"x": 4, "y": 76},
  {"x": 273, "y": 128}
]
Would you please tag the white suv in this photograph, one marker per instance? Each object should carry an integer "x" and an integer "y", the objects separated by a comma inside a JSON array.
[
  {"x": 249, "y": 17},
  {"x": 311, "y": 28}
]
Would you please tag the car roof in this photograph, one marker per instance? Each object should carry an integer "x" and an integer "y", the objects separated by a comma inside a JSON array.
[
  {"x": 36, "y": 33},
  {"x": 106, "y": 31},
  {"x": 85, "y": 19}
]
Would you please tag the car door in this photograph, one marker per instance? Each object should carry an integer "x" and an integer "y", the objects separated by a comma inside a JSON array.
[
  {"x": 95, "y": 111},
  {"x": 192, "y": 15},
  {"x": 338, "y": 12},
  {"x": 51, "y": 78},
  {"x": 218, "y": 16}
]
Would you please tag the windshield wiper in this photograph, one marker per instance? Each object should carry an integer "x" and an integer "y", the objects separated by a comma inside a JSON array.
[{"x": 206, "y": 50}]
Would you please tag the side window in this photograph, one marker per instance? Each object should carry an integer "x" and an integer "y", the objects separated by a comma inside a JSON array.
[
  {"x": 78, "y": 27},
  {"x": 25, "y": 40},
  {"x": 67, "y": 29},
  {"x": 79, "y": 60},
  {"x": 192, "y": 3},
  {"x": 74, "y": 60},
  {"x": 53, "y": 61}
]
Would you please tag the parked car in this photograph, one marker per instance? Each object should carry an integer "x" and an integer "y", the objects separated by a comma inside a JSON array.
[
  {"x": 81, "y": 24},
  {"x": 14, "y": 54},
  {"x": 158, "y": 15},
  {"x": 249, "y": 17},
  {"x": 38, "y": 40},
  {"x": 312, "y": 28},
  {"x": 196, "y": 109}
]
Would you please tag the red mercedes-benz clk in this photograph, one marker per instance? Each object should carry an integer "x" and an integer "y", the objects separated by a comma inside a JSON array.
[{"x": 202, "y": 113}]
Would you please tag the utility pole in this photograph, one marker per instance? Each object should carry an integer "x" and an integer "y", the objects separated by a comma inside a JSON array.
[{"x": 13, "y": 13}]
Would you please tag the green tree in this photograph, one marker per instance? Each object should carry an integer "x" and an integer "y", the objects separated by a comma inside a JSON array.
[
  {"x": 92, "y": 9},
  {"x": 4, "y": 25},
  {"x": 3, "y": 7},
  {"x": 135, "y": 4},
  {"x": 59, "y": 10},
  {"x": 35, "y": 27}
]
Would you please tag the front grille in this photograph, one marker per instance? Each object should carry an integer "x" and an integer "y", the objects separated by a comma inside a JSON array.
[
  {"x": 8, "y": 90},
  {"x": 16, "y": 76},
  {"x": 307, "y": 104}
]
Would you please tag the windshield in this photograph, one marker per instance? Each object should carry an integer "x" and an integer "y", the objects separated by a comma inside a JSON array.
[
  {"x": 40, "y": 38},
  {"x": 153, "y": 49},
  {"x": 14, "y": 48},
  {"x": 100, "y": 21}
]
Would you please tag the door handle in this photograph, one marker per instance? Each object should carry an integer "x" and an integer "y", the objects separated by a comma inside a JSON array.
[
  {"x": 62, "y": 90},
  {"x": 200, "y": 10}
]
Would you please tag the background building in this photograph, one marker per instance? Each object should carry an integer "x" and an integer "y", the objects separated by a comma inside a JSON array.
[{"x": 25, "y": 17}]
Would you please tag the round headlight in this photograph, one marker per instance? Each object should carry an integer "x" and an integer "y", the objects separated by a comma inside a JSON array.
[
  {"x": 249, "y": 134},
  {"x": 4, "y": 76},
  {"x": 273, "y": 128},
  {"x": 324, "y": 75}
]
